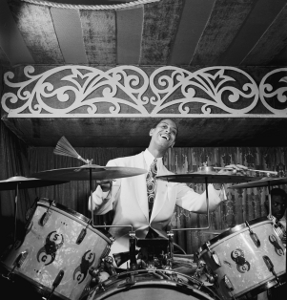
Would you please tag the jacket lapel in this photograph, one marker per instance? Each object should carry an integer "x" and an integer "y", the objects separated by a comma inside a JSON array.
[{"x": 139, "y": 185}]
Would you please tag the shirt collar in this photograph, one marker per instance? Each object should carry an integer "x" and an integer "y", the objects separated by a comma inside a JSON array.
[{"x": 149, "y": 158}]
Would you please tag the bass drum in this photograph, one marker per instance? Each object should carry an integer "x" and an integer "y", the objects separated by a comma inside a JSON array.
[
  {"x": 154, "y": 284},
  {"x": 245, "y": 260},
  {"x": 57, "y": 252}
]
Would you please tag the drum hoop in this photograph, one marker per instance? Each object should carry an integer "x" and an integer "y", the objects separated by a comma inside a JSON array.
[
  {"x": 164, "y": 282},
  {"x": 79, "y": 217},
  {"x": 64, "y": 208},
  {"x": 235, "y": 229}
]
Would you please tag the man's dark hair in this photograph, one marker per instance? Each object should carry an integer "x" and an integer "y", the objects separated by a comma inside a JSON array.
[
  {"x": 162, "y": 119},
  {"x": 279, "y": 192}
]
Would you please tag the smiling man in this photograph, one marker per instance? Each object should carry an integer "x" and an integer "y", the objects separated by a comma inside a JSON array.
[{"x": 148, "y": 207}]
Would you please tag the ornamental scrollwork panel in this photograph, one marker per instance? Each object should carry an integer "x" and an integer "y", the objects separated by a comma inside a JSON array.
[
  {"x": 208, "y": 91},
  {"x": 273, "y": 91},
  {"x": 130, "y": 91}
]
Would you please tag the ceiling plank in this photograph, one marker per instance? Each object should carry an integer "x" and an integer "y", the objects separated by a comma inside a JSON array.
[
  {"x": 194, "y": 17},
  {"x": 161, "y": 20},
  {"x": 4, "y": 61},
  {"x": 276, "y": 36},
  {"x": 99, "y": 32},
  {"x": 225, "y": 22},
  {"x": 41, "y": 39},
  {"x": 129, "y": 29},
  {"x": 68, "y": 30},
  {"x": 11, "y": 40},
  {"x": 258, "y": 21}
]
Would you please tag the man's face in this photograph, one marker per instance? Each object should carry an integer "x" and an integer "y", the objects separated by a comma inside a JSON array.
[
  {"x": 164, "y": 134},
  {"x": 278, "y": 206}
]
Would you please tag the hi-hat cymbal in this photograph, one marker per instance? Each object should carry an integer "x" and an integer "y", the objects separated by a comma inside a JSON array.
[
  {"x": 25, "y": 182},
  {"x": 198, "y": 177},
  {"x": 90, "y": 171},
  {"x": 265, "y": 181}
]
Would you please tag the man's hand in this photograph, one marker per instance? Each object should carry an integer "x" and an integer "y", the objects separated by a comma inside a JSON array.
[
  {"x": 106, "y": 185},
  {"x": 238, "y": 170}
]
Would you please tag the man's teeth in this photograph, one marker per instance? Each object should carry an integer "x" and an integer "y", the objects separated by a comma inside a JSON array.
[{"x": 166, "y": 137}]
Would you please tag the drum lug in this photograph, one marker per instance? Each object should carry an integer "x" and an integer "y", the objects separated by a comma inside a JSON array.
[
  {"x": 56, "y": 282},
  {"x": 20, "y": 259},
  {"x": 277, "y": 247},
  {"x": 228, "y": 283},
  {"x": 17, "y": 264},
  {"x": 81, "y": 236},
  {"x": 214, "y": 256},
  {"x": 45, "y": 217},
  {"x": 253, "y": 235},
  {"x": 269, "y": 265}
]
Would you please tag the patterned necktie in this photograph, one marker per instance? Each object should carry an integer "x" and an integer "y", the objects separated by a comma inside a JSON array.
[{"x": 151, "y": 186}]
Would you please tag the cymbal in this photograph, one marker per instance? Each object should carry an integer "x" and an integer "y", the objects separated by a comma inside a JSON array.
[
  {"x": 24, "y": 183},
  {"x": 84, "y": 172},
  {"x": 198, "y": 177},
  {"x": 265, "y": 181},
  {"x": 212, "y": 231}
]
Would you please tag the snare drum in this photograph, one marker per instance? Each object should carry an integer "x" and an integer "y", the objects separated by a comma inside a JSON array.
[
  {"x": 57, "y": 252},
  {"x": 248, "y": 258},
  {"x": 156, "y": 284}
]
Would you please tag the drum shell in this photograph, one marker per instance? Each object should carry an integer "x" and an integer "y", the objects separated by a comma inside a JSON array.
[
  {"x": 258, "y": 277},
  {"x": 74, "y": 260},
  {"x": 151, "y": 284}
]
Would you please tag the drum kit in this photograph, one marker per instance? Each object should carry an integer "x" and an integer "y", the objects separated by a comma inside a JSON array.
[{"x": 64, "y": 255}]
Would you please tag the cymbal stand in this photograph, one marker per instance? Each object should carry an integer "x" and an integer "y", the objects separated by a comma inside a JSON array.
[
  {"x": 269, "y": 201},
  {"x": 15, "y": 213},
  {"x": 208, "y": 214},
  {"x": 132, "y": 240},
  {"x": 91, "y": 196}
]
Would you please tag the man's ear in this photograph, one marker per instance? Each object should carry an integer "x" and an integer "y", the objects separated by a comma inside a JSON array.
[
  {"x": 171, "y": 146},
  {"x": 151, "y": 132}
]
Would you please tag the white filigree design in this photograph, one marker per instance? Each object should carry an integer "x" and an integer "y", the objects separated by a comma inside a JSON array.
[
  {"x": 273, "y": 91},
  {"x": 79, "y": 92},
  {"x": 128, "y": 91},
  {"x": 207, "y": 87}
]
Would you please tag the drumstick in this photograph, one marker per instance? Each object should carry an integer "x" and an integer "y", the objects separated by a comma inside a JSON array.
[{"x": 262, "y": 171}]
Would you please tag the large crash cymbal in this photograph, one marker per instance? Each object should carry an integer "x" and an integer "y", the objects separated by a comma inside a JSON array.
[
  {"x": 265, "y": 181},
  {"x": 207, "y": 174},
  {"x": 90, "y": 171},
  {"x": 21, "y": 182},
  {"x": 202, "y": 178}
]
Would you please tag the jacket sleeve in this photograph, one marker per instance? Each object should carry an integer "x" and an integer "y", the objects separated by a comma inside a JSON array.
[
  {"x": 188, "y": 199},
  {"x": 103, "y": 202}
]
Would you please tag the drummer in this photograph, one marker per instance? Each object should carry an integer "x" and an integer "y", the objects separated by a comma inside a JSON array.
[{"x": 128, "y": 197}]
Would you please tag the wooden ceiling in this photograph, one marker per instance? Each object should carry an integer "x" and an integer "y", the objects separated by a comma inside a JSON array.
[{"x": 184, "y": 33}]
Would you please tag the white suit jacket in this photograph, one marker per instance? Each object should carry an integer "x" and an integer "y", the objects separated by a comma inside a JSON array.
[{"x": 128, "y": 199}]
